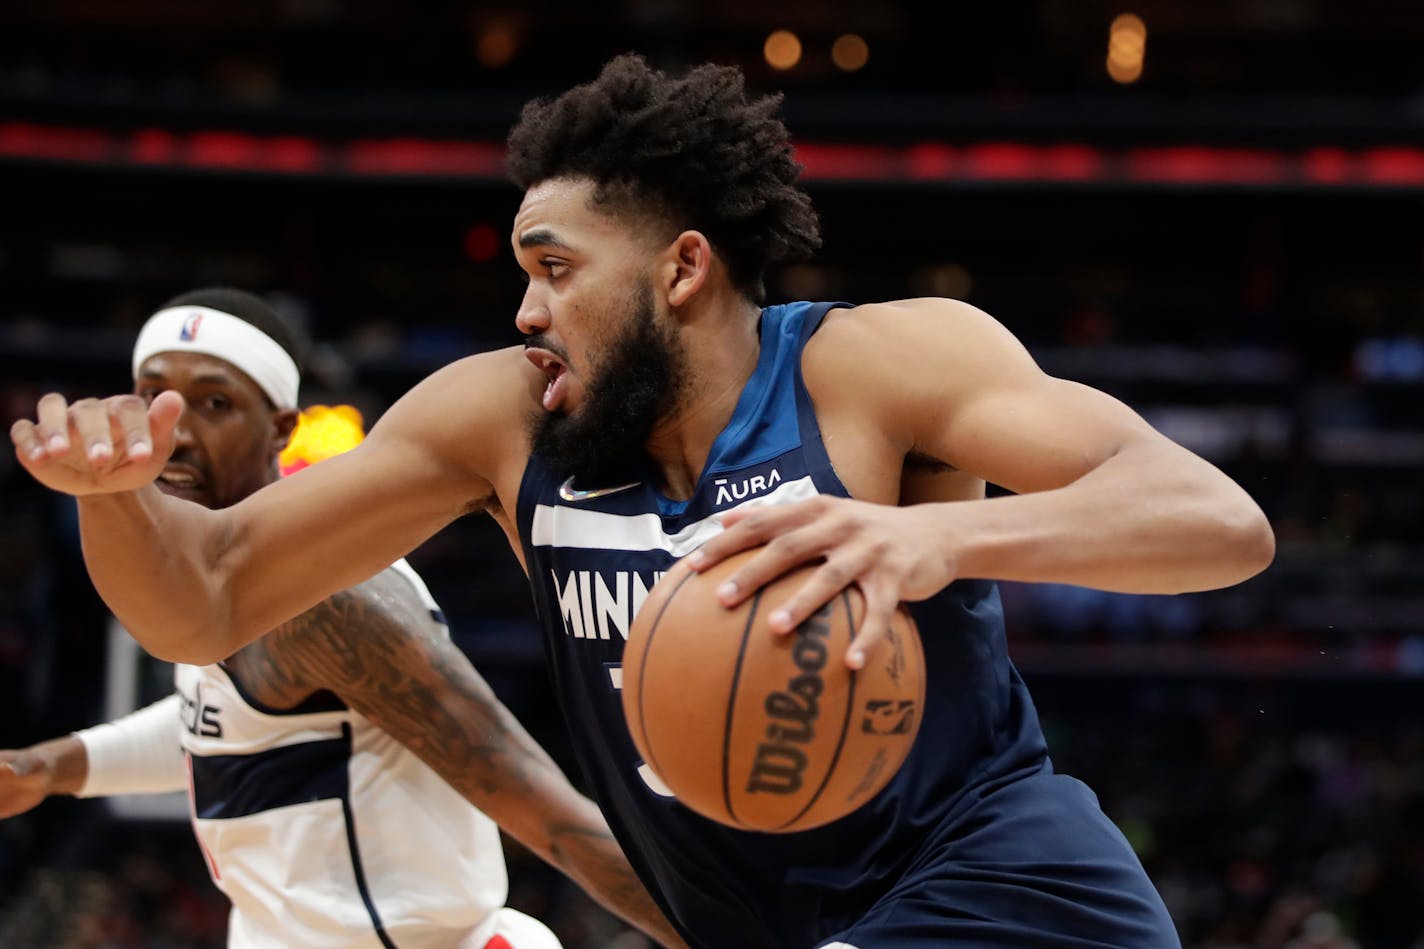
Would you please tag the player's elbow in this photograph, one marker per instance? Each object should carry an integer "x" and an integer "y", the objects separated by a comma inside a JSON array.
[
  {"x": 191, "y": 643},
  {"x": 188, "y": 647},
  {"x": 1247, "y": 542}
]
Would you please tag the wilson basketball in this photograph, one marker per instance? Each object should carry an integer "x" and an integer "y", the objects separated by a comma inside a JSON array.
[{"x": 762, "y": 731}]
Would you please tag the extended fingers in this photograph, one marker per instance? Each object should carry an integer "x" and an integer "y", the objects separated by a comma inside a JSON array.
[
  {"x": 129, "y": 425},
  {"x": 29, "y": 446},
  {"x": 829, "y": 579},
  {"x": 752, "y": 526},
  {"x": 776, "y": 557},
  {"x": 880, "y": 606},
  {"x": 92, "y": 432},
  {"x": 52, "y": 423}
]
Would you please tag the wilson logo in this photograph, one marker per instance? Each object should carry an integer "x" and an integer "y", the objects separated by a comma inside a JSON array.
[
  {"x": 595, "y": 604},
  {"x": 729, "y": 491},
  {"x": 780, "y": 761}
]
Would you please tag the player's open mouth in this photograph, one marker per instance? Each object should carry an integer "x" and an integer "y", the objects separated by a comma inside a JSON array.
[
  {"x": 553, "y": 367},
  {"x": 183, "y": 479}
]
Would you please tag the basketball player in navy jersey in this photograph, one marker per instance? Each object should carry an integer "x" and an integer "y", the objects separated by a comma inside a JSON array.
[
  {"x": 660, "y": 410},
  {"x": 338, "y": 765}
]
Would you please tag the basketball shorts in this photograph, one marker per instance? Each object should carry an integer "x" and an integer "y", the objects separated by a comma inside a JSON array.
[{"x": 1033, "y": 864}]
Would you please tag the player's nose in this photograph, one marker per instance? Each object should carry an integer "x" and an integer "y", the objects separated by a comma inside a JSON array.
[{"x": 533, "y": 316}]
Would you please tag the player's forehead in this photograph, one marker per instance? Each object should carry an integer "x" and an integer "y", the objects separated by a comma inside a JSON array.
[
  {"x": 181, "y": 368},
  {"x": 561, "y": 212}
]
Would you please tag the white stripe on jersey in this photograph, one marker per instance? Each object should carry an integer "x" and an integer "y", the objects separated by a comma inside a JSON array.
[{"x": 565, "y": 526}]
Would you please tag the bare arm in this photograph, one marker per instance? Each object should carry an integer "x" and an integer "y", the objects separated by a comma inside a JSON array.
[
  {"x": 193, "y": 584},
  {"x": 1103, "y": 499},
  {"x": 377, "y": 648}
]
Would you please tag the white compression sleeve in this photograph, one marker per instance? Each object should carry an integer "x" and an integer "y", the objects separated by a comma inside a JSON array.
[{"x": 140, "y": 753}]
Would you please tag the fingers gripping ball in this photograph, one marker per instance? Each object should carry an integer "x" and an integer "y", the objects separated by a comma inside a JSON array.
[{"x": 763, "y": 731}]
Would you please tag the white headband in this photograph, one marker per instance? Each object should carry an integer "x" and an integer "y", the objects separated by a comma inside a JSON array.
[{"x": 201, "y": 329}]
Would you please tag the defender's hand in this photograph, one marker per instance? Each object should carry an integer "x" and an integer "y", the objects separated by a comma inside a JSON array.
[
  {"x": 26, "y": 778},
  {"x": 97, "y": 446},
  {"x": 890, "y": 553}
]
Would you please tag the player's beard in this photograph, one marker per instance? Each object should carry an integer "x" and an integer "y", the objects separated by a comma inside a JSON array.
[{"x": 601, "y": 443}]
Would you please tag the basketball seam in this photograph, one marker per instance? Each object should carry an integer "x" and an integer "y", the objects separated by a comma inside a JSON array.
[
  {"x": 642, "y": 669},
  {"x": 845, "y": 726},
  {"x": 731, "y": 712}
]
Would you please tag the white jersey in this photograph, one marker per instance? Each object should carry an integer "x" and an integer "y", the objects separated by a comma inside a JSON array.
[{"x": 324, "y": 831}]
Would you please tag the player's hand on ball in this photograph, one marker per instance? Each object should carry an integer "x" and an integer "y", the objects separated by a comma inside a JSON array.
[
  {"x": 97, "y": 446},
  {"x": 891, "y": 553}
]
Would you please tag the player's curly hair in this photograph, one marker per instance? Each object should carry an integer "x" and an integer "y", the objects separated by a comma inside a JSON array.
[{"x": 677, "y": 153}]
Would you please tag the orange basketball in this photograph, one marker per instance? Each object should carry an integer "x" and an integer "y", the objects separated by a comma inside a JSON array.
[{"x": 763, "y": 731}]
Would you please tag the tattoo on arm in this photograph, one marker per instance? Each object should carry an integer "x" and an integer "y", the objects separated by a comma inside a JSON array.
[{"x": 378, "y": 647}]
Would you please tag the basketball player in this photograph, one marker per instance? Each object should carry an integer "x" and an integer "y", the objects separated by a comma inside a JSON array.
[
  {"x": 335, "y": 765},
  {"x": 673, "y": 412}
]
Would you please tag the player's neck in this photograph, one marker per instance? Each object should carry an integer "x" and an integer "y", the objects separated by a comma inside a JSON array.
[{"x": 722, "y": 355}]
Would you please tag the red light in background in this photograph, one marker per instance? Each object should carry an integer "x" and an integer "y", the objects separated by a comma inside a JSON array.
[
  {"x": 416, "y": 156},
  {"x": 930, "y": 161},
  {"x": 292, "y": 153},
  {"x": 222, "y": 150},
  {"x": 56, "y": 143},
  {"x": 864, "y": 162},
  {"x": 1326, "y": 165},
  {"x": 1394, "y": 166},
  {"x": 1192, "y": 164},
  {"x": 1002, "y": 161},
  {"x": 1072, "y": 163},
  {"x": 153, "y": 146},
  {"x": 481, "y": 243}
]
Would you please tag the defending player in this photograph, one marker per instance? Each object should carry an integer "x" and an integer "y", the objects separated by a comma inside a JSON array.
[{"x": 334, "y": 765}]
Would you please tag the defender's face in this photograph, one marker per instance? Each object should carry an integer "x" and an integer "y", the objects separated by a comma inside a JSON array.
[
  {"x": 228, "y": 437},
  {"x": 585, "y": 268}
]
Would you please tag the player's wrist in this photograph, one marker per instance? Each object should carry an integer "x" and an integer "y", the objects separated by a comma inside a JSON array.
[{"x": 62, "y": 763}]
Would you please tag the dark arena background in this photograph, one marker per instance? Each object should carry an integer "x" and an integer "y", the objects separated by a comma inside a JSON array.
[{"x": 1213, "y": 210}]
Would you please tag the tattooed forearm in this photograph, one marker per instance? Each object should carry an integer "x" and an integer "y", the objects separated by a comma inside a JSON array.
[
  {"x": 590, "y": 855},
  {"x": 379, "y": 649}
]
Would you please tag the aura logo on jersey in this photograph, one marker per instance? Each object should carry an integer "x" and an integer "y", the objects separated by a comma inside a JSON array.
[
  {"x": 793, "y": 712},
  {"x": 729, "y": 491},
  {"x": 596, "y": 603}
]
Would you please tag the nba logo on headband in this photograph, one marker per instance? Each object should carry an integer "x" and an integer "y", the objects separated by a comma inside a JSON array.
[{"x": 189, "y": 330}]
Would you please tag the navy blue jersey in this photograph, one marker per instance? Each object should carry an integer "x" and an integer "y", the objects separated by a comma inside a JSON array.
[{"x": 592, "y": 555}]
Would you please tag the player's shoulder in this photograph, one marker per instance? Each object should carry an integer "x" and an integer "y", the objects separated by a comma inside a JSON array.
[
  {"x": 896, "y": 336},
  {"x": 473, "y": 409},
  {"x": 502, "y": 378},
  {"x": 913, "y": 315},
  {"x": 394, "y": 603}
]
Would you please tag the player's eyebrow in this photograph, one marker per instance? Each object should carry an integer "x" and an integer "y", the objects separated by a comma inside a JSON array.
[
  {"x": 207, "y": 378},
  {"x": 541, "y": 237}
]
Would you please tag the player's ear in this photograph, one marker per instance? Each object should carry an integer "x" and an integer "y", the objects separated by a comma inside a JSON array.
[
  {"x": 687, "y": 265},
  {"x": 284, "y": 422}
]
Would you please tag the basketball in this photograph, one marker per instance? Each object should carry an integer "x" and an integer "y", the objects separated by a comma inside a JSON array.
[{"x": 762, "y": 731}]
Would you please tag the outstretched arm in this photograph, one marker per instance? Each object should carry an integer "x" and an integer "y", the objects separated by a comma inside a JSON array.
[
  {"x": 140, "y": 753},
  {"x": 377, "y": 647},
  {"x": 1102, "y": 500},
  {"x": 193, "y": 584}
]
